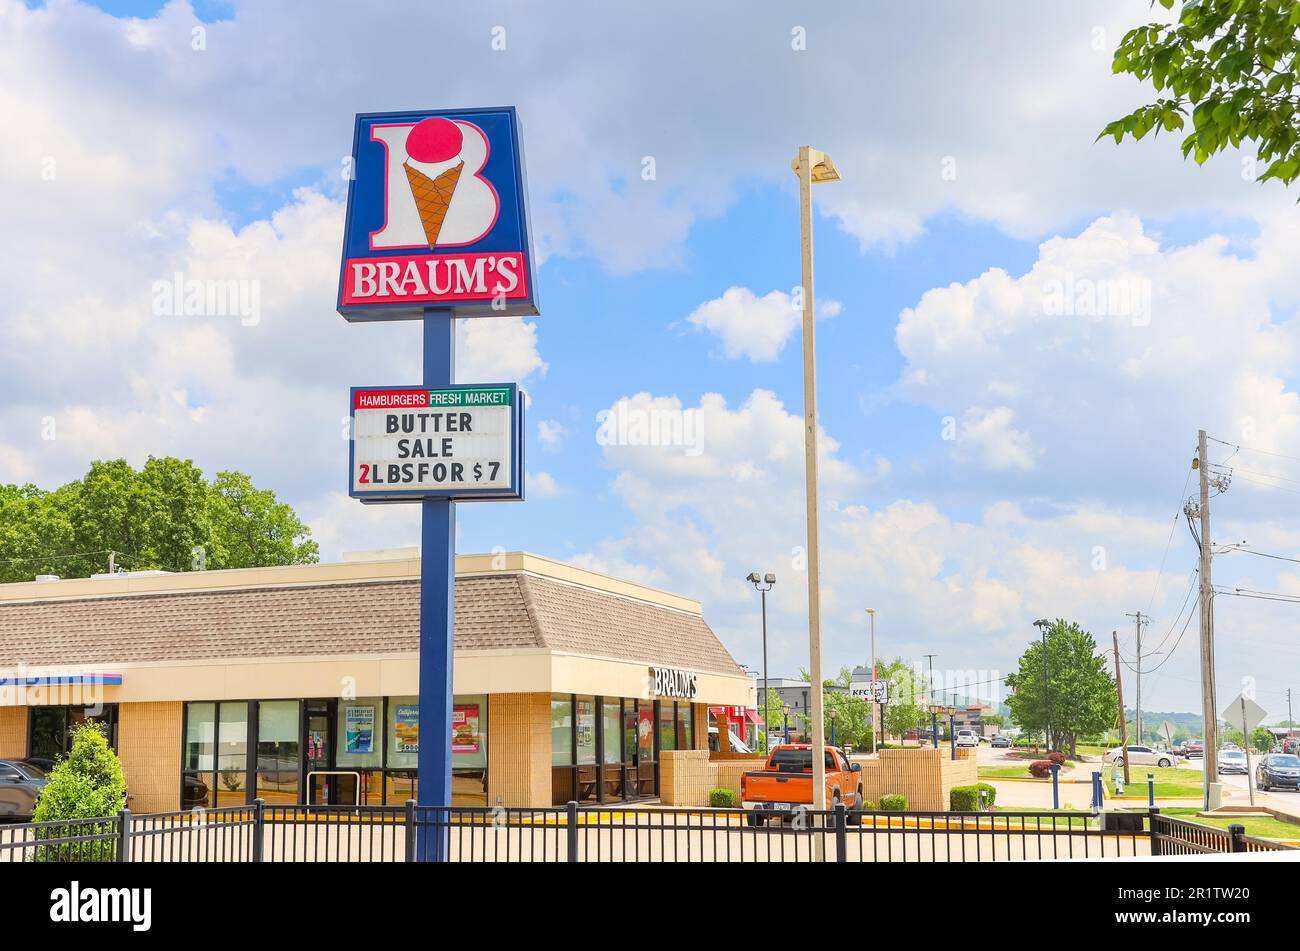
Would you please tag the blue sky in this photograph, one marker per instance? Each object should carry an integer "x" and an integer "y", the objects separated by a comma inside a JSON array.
[{"x": 993, "y": 461}]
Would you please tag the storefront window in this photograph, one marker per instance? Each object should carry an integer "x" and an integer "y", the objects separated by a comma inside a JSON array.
[
  {"x": 359, "y": 728},
  {"x": 612, "y": 748},
  {"x": 200, "y": 751},
  {"x": 403, "y": 732},
  {"x": 232, "y": 755},
  {"x": 562, "y": 775},
  {"x": 469, "y": 750},
  {"x": 277, "y": 750},
  {"x": 50, "y": 728},
  {"x": 685, "y": 735},
  {"x": 667, "y": 726}
]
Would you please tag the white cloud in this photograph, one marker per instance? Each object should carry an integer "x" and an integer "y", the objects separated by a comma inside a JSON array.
[
  {"x": 552, "y": 434},
  {"x": 748, "y": 325},
  {"x": 542, "y": 485}
]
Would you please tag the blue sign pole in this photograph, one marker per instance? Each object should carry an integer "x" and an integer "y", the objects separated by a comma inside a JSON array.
[{"x": 437, "y": 618}]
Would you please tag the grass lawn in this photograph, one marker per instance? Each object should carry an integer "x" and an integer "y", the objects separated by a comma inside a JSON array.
[
  {"x": 1091, "y": 750},
  {"x": 1169, "y": 782},
  {"x": 1004, "y": 772},
  {"x": 1264, "y": 827}
]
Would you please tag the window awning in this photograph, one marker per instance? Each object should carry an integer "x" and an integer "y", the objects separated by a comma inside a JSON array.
[{"x": 737, "y": 713}]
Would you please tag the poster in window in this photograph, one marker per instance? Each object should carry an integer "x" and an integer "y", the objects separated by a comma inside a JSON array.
[
  {"x": 359, "y": 729},
  {"x": 464, "y": 728},
  {"x": 406, "y": 728}
]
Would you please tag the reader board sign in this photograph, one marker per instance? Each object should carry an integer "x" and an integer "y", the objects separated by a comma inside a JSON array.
[
  {"x": 437, "y": 217},
  {"x": 459, "y": 442}
]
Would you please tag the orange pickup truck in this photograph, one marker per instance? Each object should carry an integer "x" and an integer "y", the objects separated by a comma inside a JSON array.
[{"x": 785, "y": 783}]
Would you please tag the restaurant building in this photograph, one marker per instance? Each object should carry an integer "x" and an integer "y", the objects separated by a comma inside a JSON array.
[{"x": 298, "y": 684}]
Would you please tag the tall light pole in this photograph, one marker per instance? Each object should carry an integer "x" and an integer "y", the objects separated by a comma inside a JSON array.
[
  {"x": 929, "y": 697},
  {"x": 875, "y": 707},
  {"x": 812, "y": 166},
  {"x": 763, "y": 585},
  {"x": 1043, "y": 624}
]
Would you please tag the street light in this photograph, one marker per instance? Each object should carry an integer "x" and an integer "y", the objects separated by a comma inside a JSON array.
[
  {"x": 952, "y": 731},
  {"x": 875, "y": 707},
  {"x": 935, "y": 709},
  {"x": 768, "y": 579},
  {"x": 812, "y": 166},
  {"x": 1043, "y": 624},
  {"x": 785, "y": 713}
]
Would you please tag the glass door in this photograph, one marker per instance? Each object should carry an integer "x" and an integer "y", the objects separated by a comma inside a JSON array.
[
  {"x": 318, "y": 741},
  {"x": 629, "y": 749}
]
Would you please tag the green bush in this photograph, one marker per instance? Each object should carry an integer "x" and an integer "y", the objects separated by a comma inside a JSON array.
[
  {"x": 964, "y": 799},
  {"x": 869, "y": 806},
  {"x": 893, "y": 802},
  {"x": 87, "y": 784},
  {"x": 722, "y": 798}
]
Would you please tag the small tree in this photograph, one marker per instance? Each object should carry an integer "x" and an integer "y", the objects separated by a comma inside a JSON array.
[{"x": 87, "y": 784}]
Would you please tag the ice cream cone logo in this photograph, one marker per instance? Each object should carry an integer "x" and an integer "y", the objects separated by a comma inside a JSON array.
[
  {"x": 436, "y": 196},
  {"x": 432, "y": 142}
]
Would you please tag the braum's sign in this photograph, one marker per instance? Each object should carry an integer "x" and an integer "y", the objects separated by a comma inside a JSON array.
[
  {"x": 436, "y": 217},
  {"x": 670, "y": 682},
  {"x": 461, "y": 442}
]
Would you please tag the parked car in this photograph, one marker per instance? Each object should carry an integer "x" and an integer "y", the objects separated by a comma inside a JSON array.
[
  {"x": 1278, "y": 771},
  {"x": 1138, "y": 756},
  {"x": 20, "y": 786},
  {"x": 1000, "y": 742},
  {"x": 967, "y": 738},
  {"x": 1193, "y": 749},
  {"x": 1290, "y": 743},
  {"x": 1229, "y": 747},
  {"x": 1233, "y": 761},
  {"x": 785, "y": 782}
]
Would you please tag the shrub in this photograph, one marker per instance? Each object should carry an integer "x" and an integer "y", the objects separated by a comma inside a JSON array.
[
  {"x": 964, "y": 799},
  {"x": 722, "y": 798},
  {"x": 893, "y": 802},
  {"x": 87, "y": 784},
  {"x": 869, "y": 806},
  {"x": 1040, "y": 768},
  {"x": 1058, "y": 758}
]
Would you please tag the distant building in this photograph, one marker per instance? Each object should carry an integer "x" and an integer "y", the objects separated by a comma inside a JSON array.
[{"x": 796, "y": 694}]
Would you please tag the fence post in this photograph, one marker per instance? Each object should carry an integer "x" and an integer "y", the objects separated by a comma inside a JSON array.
[
  {"x": 1056, "y": 790},
  {"x": 571, "y": 820},
  {"x": 259, "y": 828},
  {"x": 1097, "y": 799},
  {"x": 1153, "y": 815},
  {"x": 410, "y": 830},
  {"x": 841, "y": 833},
  {"x": 124, "y": 835},
  {"x": 1151, "y": 789},
  {"x": 1237, "y": 834}
]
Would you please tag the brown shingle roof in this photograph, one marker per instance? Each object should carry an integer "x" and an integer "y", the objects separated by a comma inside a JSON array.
[{"x": 377, "y": 617}]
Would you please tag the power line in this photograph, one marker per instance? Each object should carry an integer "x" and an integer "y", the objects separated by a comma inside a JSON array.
[
  {"x": 1240, "y": 448},
  {"x": 76, "y": 554}
]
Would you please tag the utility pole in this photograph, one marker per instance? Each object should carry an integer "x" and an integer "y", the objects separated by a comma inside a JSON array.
[
  {"x": 1137, "y": 717},
  {"x": 929, "y": 697},
  {"x": 1123, "y": 720},
  {"x": 1208, "y": 706}
]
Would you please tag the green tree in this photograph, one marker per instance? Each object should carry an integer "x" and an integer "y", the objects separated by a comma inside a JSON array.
[
  {"x": 1261, "y": 740},
  {"x": 906, "y": 708},
  {"x": 1076, "y": 693},
  {"x": 87, "y": 784},
  {"x": 164, "y": 516},
  {"x": 1231, "y": 66}
]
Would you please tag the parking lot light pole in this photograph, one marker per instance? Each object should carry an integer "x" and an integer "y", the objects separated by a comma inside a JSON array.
[
  {"x": 935, "y": 710},
  {"x": 763, "y": 585},
  {"x": 785, "y": 714},
  {"x": 952, "y": 731},
  {"x": 812, "y": 166}
]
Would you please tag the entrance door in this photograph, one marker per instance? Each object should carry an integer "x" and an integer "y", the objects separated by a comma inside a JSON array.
[
  {"x": 629, "y": 750},
  {"x": 318, "y": 742}
]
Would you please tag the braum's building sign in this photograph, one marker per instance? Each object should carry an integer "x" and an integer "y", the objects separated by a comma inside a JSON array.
[
  {"x": 462, "y": 442},
  {"x": 670, "y": 682},
  {"x": 436, "y": 217}
]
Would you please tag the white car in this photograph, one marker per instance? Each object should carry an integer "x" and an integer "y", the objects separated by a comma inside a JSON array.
[
  {"x": 967, "y": 738},
  {"x": 1232, "y": 761},
  {"x": 1139, "y": 756}
]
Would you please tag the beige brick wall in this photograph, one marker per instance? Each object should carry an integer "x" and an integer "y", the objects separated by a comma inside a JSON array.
[
  {"x": 149, "y": 745},
  {"x": 13, "y": 732},
  {"x": 519, "y": 749},
  {"x": 924, "y": 776},
  {"x": 686, "y": 776}
]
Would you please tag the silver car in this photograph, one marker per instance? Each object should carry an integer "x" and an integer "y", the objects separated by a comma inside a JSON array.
[
  {"x": 1232, "y": 761},
  {"x": 1139, "y": 756}
]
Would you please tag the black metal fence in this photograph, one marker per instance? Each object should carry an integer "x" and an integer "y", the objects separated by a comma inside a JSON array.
[{"x": 275, "y": 833}]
